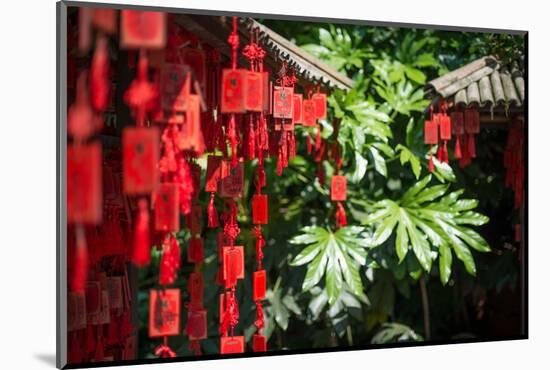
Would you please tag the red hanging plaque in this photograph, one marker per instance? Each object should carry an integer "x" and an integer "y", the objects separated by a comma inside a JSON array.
[
  {"x": 141, "y": 29},
  {"x": 233, "y": 91},
  {"x": 231, "y": 345},
  {"x": 338, "y": 188},
  {"x": 196, "y": 324},
  {"x": 164, "y": 312},
  {"x": 84, "y": 184},
  {"x": 213, "y": 173},
  {"x": 320, "y": 104},
  {"x": 140, "y": 151},
  {"x": 259, "y": 343},
  {"x": 259, "y": 209},
  {"x": 194, "y": 220},
  {"x": 231, "y": 179},
  {"x": 445, "y": 127},
  {"x": 309, "y": 113},
  {"x": 457, "y": 123},
  {"x": 298, "y": 109},
  {"x": 430, "y": 132},
  {"x": 195, "y": 252},
  {"x": 283, "y": 102},
  {"x": 471, "y": 121},
  {"x": 167, "y": 215},
  {"x": 196, "y": 289},
  {"x": 175, "y": 84},
  {"x": 104, "y": 19},
  {"x": 259, "y": 285},
  {"x": 254, "y": 92},
  {"x": 233, "y": 265}
]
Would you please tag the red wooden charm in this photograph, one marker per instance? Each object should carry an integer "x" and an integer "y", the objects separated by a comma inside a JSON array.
[
  {"x": 231, "y": 179},
  {"x": 104, "y": 19},
  {"x": 231, "y": 345},
  {"x": 167, "y": 215},
  {"x": 233, "y": 265},
  {"x": 196, "y": 324},
  {"x": 430, "y": 132},
  {"x": 213, "y": 173},
  {"x": 338, "y": 188},
  {"x": 196, "y": 289},
  {"x": 195, "y": 252},
  {"x": 164, "y": 312},
  {"x": 254, "y": 100},
  {"x": 471, "y": 121},
  {"x": 84, "y": 184},
  {"x": 457, "y": 123},
  {"x": 259, "y": 285},
  {"x": 259, "y": 209},
  {"x": 309, "y": 113},
  {"x": 298, "y": 109},
  {"x": 283, "y": 102},
  {"x": 233, "y": 91},
  {"x": 190, "y": 136},
  {"x": 194, "y": 220},
  {"x": 320, "y": 104},
  {"x": 175, "y": 84},
  {"x": 141, "y": 29},
  {"x": 140, "y": 151},
  {"x": 445, "y": 127},
  {"x": 259, "y": 343}
]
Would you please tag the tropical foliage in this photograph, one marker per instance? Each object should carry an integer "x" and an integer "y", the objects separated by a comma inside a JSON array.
[{"x": 367, "y": 282}]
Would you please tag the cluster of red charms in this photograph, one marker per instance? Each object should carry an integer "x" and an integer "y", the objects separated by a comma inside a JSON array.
[
  {"x": 439, "y": 129},
  {"x": 184, "y": 104},
  {"x": 99, "y": 310}
]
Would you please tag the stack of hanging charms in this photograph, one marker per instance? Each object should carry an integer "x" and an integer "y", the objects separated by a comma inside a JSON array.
[
  {"x": 514, "y": 160},
  {"x": 257, "y": 145},
  {"x": 230, "y": 187},
  {"x": 338, "y": 185}
]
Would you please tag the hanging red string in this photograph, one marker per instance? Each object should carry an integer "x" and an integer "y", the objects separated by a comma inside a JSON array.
[{"x": 431, "y": 136}]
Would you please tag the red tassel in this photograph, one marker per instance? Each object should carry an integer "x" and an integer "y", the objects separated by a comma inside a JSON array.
[
  {"x": 142, "y": 253},
  {"x": 472, "y": 145},
  {"x": 81, "y": 261},
  {"x": 308, "y": 143},
  {"x": 341, "y": 219},
  {"x": 251, "y": 139},
  {"x": 321, "y": 173},
  {"x": 458, "y": 152},
  {"x": 232, "y": 136},
  {"x": 113, "y": 335},
  {"x": 213, "y": 220},
  {"x": 431, "y": 162},
  {"x": 440, "y": 153},
  {"x": 99, "y": 352},
  {"x": 259, "y": 323},
  {"x": 163, "y": 351},
  {"x": 170, "y": 261},
  {"x": 318, "y": 138},
  {"x": 445, "y": 152},
  {"x": 186, "y": 188},
  {"x": 292, "y": 145}
]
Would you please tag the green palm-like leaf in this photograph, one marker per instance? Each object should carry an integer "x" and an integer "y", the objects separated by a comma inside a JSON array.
[
  {"x": 334, "y": 255},
  {"x": 432, "y": 223}
]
